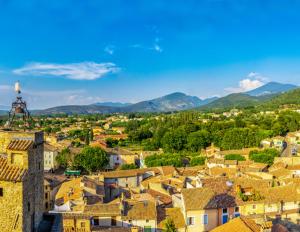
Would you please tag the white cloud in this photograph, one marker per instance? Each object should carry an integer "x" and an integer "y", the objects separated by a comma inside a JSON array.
[
  {"x": 110, "y": 49},
  {"x": 252, "y": 81},
  {"x": 75, "y": 71},
  {"x": 49, "y": 98},
  {"x": 82, "y": 100},
  {"x": 6, "y": 87},
  {"x": 257, "y": 76},
  {"x": 155, "y": 47}
]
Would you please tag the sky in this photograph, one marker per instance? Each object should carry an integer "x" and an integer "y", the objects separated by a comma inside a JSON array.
[{"x": 82, "y": 52}]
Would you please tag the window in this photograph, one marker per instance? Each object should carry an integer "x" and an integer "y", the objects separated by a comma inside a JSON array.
[
  {"x": 224, "y": 215},
  {"x": 46, "y": 205},
  {"x": 236, "y": 212},
  {"x": 28, "y": 207},
  {"x": 96, "y": 221},
  {"x": 1, "y": 192},
  {"x": 253, "y": 206},
  {"x": 205, "y": 219},
  {"x": 224, "y": 218},
  {"x": 113, "y": 221},
  {"x": 82, "y": 224},
  {"x": 46, "y": 195},
  {"x": 147, "y": 220},
  {"x": 190, "y": 221}
]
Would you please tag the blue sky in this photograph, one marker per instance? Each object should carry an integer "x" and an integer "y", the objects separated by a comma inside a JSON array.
[{"x": 80, "y": 52}]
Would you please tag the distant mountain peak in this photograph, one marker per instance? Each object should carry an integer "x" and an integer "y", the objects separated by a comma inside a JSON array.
[
  {"x": 271, "y": 88},
  {"x": 172, "y": 102}
]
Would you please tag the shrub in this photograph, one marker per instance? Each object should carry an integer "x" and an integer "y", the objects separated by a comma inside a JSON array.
[
  {"x": 128, "y": 166},
  {"x": 265, "y": 156},
  {"x": 235, "y": 157}
]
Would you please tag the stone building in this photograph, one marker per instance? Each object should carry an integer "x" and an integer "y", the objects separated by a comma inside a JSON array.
[
  {"x": 50, "y": 153},
  {"x": 21, "y": 180}
]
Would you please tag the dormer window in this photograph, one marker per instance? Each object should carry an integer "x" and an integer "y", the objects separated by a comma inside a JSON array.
[{"x": 1, "y": 192}]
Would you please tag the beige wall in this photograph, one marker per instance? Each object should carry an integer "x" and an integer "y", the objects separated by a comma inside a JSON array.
[
  {"x": 252, "y": 208},
  {"x": 50, "y": 160},
  {"x": 79, "y": 225},
  {"x": 141, "y": 224},
  {"x": 26, "y": 198},
  {"x": 198, "y": 215},
  {"x": 11, "y": 207}
]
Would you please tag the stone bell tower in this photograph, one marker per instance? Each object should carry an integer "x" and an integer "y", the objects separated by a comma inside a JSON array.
[{"x": 18, "y": 108}]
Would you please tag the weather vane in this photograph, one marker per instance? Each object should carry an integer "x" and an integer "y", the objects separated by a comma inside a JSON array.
[{"x": 18, "y": 108}]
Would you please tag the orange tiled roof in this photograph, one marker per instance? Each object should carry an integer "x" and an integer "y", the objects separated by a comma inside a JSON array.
[
  {"x": 128, "y": 173},
  {"x": 198, "y": 198},
  {"x": 237, "y": 225},
  {"x": 137, "y": 210},
  {"x": 20, "y": 145},
  {"x": 70, "y": 190},
  {"x": 10, "y": 172},
  {"x": 173, "y": 213}
]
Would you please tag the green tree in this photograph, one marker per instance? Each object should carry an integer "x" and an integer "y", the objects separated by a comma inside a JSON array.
[
  {"x": 199, "y": 160},
  {"x": 197, "y": 140},
  {"x": 91, "y": 135},
  {"x": 265, "y": 156},
  {"x": 110, "y": 142},
  {"x": 174, "y": 140},
  {"x": 169, "y": 226},
  {"x": 64, "y": 158},
  {"x": 87, "y": 139},
  {"x": 91, "y": 159}
]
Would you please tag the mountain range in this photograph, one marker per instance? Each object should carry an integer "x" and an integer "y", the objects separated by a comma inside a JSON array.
[
  {"x": 171, "y": 102},
  {"x": 4, "y": 108},
  {"x": 179, "y": 101},
  {"x": 271, "y": 88},
  {"x": 112, "y": 104}
]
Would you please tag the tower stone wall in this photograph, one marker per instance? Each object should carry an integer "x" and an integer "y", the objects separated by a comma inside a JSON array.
[{"x": 21, "y": 180}]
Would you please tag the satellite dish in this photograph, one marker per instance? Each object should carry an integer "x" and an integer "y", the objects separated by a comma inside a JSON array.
[{"x": 229, "y": 183}]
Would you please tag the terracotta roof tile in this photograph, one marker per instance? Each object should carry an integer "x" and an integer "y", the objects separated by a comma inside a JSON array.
[
  {"x": 128, "y": 173},
  {"x": 140, "y": 210},
  {"x": 288, "y": 193},
  {"x": 282, "y": 172},
  {"x": 173, "y": 213},
  {"x": 11, "y": 172},
  {"x": 198, "y": 198},
  {"x": 103, "y": 209},
  {"x": 237, "y": 225},
  {"x": 20, "y": 145},
  {"x": 165, "y": 199}
]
